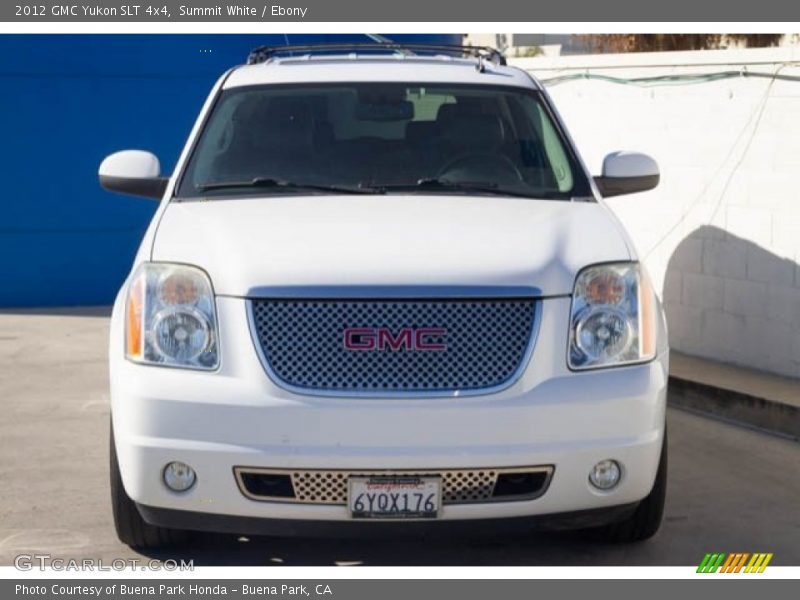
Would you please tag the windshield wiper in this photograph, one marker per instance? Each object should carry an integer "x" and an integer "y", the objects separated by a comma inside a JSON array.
[
  {"x": 268, "y": 182},
  {"x": 434, "y": 184}
]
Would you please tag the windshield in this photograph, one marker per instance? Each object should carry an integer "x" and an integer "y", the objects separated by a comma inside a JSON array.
[{"x": 382, "y": 138}]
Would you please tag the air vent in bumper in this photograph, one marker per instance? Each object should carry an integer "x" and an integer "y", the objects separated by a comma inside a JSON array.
[{"x": 459, "y": 486}]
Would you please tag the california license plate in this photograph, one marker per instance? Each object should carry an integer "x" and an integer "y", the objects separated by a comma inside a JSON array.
[{"x": 394, "y": 497}]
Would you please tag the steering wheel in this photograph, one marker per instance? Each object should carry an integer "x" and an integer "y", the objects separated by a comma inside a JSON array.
[{"x": 481, "y": 162}]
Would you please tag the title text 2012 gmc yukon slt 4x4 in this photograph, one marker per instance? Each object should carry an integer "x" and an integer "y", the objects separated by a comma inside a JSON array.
[{"x": 381, "y": 291}]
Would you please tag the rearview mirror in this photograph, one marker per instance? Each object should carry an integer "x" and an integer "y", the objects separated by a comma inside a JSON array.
[
  {"x": 385, "y": 111},
  {"x": 627, "y": 173},
  {"x": 134, "y": 172}
]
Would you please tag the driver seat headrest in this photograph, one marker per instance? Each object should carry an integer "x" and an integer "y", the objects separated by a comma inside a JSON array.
[{"x": 480, "y": 133}]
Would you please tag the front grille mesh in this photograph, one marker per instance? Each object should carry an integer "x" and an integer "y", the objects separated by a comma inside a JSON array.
[
  {"x": 485, "y": 343},
  {"x": 459, "y": 486}
]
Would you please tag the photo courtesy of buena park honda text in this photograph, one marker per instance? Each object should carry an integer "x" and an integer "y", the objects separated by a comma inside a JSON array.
[{"x": 343, "y": 299}]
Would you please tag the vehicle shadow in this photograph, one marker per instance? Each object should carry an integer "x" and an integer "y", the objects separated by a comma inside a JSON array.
[
  {"x": 731, "y": 300},
  {"x": 545, "y": 548}
]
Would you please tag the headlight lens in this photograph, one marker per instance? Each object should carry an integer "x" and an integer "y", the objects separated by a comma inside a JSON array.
[
  {"x": 170, "y": 317},
  {"x": 613, "y": 318}
]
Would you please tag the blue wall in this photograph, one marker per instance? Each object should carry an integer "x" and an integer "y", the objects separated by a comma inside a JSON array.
[{"x": 66, "y": 102}]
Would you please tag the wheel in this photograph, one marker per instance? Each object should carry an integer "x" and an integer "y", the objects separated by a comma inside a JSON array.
[
  {"x": 131, "y": 528},
  {"x": 646, "y": 519}
]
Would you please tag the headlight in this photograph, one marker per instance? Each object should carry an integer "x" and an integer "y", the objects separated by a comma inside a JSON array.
[
  {"x": 170, "y": 317},
  {"x": 613, "y": 318}
]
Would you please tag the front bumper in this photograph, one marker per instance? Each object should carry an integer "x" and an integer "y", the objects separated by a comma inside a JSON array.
[
  {"x": 215, "y": 523},
  {"x": 238, "y": 417}
]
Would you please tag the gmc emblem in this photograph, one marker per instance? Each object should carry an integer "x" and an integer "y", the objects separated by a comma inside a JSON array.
[{"x": 381, "y": 338}]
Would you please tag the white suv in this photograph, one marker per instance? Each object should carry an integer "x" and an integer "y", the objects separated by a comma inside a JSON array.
[{"x": 381, "y": 292}]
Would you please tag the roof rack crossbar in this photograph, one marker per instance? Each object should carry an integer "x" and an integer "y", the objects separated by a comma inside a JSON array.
[{"x": 265, "y": 53}]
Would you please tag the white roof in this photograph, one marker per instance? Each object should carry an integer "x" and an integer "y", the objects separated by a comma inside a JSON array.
[{"x": 389, "y": 68}]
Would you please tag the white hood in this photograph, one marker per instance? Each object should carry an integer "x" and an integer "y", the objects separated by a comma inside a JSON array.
[{"x": 261, "y": 242}]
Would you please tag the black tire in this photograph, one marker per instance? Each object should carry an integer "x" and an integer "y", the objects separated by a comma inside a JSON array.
[
  {"x": 131, "y": 528},
  {"x": 646, "y": 519}
]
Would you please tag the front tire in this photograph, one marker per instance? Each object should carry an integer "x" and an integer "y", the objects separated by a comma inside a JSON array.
[
  {"x": 131, "y": 528},
  {"x": 646, "y": 519}
]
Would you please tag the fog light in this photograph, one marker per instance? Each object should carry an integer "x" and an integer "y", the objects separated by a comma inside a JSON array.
[
  {"x": 605, "y": 474},
  {"x": 179, "y": 476}
]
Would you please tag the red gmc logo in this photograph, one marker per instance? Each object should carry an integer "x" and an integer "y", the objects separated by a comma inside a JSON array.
[{"x": 381, "y": 338}]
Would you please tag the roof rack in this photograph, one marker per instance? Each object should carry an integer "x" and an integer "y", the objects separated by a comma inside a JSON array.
[{"x": 265, "y": 53}]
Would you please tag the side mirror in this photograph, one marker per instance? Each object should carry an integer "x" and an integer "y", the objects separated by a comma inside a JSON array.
[
  {"x": 627, "y": 173},
  {"x": 134, "y": 172}
]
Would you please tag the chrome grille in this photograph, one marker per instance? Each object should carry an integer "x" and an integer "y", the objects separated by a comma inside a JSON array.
[
  {"x": 459, "y": 486},
  {"x": 484, "y": 346}
]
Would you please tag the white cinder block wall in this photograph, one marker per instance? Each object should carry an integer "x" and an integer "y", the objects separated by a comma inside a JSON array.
[{"x": 721, "y": 234}]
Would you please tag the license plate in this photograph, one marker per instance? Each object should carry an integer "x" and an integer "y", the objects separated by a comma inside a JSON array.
[{"x": 394, "y": 497}]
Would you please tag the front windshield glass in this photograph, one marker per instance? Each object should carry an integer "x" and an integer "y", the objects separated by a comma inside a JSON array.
[{"x": 381, "y": 138}]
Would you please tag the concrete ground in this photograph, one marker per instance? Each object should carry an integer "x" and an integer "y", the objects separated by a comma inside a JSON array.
[{"x": 731, "y": 489}]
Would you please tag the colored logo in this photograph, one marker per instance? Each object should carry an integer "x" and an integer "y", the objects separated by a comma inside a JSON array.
[{"x": 734, "y": 563}]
